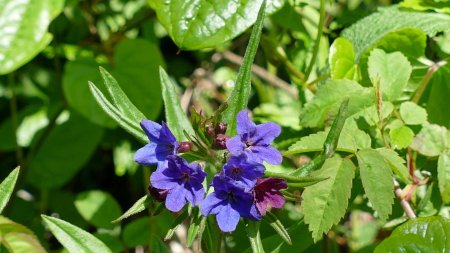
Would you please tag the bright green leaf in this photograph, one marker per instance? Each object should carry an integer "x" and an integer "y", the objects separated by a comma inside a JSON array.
[
  {"x": 17, "y": 238},
  {"x": 409, "y": 41},
  {"x": 7, "y": 187},
  {"x": 137, "y": 207},
  {"x": 423, "y": 5},
  {"x": 98, "y": 208},
  {"x": 376, "y": 177},
  {"x": 253, "y": 235},
  {"x": 342, "y": 60},
  {"x": 396, "y": 162},
  {"x": 432, "y": 140},
  {"x": 73, "y": 238},
  {"x": 412, "y": 114},
  {"x": 444, "y": 176},
  {"x": 401, "y": 137},
  {"x": 325, "y": 203},
  {"x": 390, "y": 71}
]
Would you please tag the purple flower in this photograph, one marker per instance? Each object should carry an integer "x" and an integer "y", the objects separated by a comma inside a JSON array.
[
  {"x": 157, "y": 194},
  {"x": 162, "y": 144},
  {"x": 229, "y": 202},
  {"x": 241, "y": 169},
  {"x": 182, "y": 180},
  {"x": 254, "y": 140},
  {"x": 267, "y": 193}
]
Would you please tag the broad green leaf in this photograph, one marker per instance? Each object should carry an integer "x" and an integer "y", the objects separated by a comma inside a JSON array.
[
  {"x": 390, "y": 71},
  {"x": 137, "y": 232},
  {"x": 75, "y": 88},
  {"x": 330, "y": 95},
  {"x": 114, "y": 243},
  {"x": 438, "y": 98},
  {"x": 158, "y": 246},
  {"x": 423, "y": 5},
  {"x": 396, "y": 163},
  {"x": 432, "y": 140},
  {"x": 325, "y": 203},
  {"x": 137, "y": 207},
  {"x": 126, "y": 123},
  {"x": 443, "y": 169},
  {"x": 369, "y": 30},
  {"x": 196, "y": 24},
  {"x": 73, "y": 238},
  {"x": 424, "y": 234},
  {"x": 7, "y": 187},
  {"x": 276, "y": 224},
  {"x": 342, "y": 60},
  {"x": 401, "y": 137},
  {"x": 98, "y": 208},
  {"x": 17, "y": 238},
  {"x": 240, "y": 95},
  {"x": 175, "y": 116},
  {"x": 412, "y": 114},
  {"x": 376, "y": 177},
  {"x": 409, "y": 41},
  {"x": 64, "y": 152},
  {"x": 23, "y": 25}
]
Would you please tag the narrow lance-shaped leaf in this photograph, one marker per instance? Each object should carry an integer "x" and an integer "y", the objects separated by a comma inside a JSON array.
[
  {"x": 253, "y": 235},
  {"x": 241, "y": 93},
  {"x": 7, "y": 187},
  {"x": 126, "y": 123},
  {"x": 73, "y": 238},
  {"x": 175, "y": 116},
  {"x": 175, "y": 224},
  {"x": 276, "y": 224},
  {"x": 376, "y": 177},
  {"x": 137, "y": 207}
]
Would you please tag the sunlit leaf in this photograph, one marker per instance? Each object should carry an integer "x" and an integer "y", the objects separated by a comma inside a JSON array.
[
  {"x": 396, "y": 162},
  {"x": 137, "y": 207},
  {"x": 342, "y": 60},
  {"x": 432, "y": 140},
  {"x": 17, "y": 238},
  {"x": 7, "y": 187},
  {"x": 412, "y": 114},
  {"x": 444, "y": 176}
]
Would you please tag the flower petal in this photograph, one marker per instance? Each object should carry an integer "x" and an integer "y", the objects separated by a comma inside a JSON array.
[
  {"x": 161, "y": 180},
  {"x": 147, "y": 155},
  {"x": 196, "y": 194},
  {"x": 151, "y": 129},
  {"x": 275, "y": 199},
  {"x": 176, "y": 198},
  {"x": 166, "y": 134},
  {"x": 211, "y": 204},
  {"x": 235, "y": 145},
  {"x": 268, "y": 154},
  {"x": 244, "y": 124},
  {"x": 266, "y": 133},
  {"x": 227, "y": 218}
]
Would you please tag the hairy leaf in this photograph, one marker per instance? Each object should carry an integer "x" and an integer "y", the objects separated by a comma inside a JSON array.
[
  {"x": 432, "y": 140},
  {"x": 413, "y": 114},
  {"x": 137, "y": 207},
  {"x": 396, "y": 162},
  {"x": 444, "y": 176},
  {"x": 7, "y": 187}
]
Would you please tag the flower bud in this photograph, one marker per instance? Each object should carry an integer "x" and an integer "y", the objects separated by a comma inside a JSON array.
[
  {"x": 210, "y": 129},
  {"x": 220, "y": 141},
  {"x": 221, "y": 128},
  {"x": 157, "y": 194},
  {"x": 184, "y": 146}
]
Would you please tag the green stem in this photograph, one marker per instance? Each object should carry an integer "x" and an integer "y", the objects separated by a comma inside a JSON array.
[
  {"x": 15, "y": 121},
  {"x": 426, "y": 79},
  {"x": 317, "y": 42}
]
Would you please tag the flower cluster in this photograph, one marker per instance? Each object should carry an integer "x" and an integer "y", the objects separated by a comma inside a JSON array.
[{"x": 240, "y": 189}]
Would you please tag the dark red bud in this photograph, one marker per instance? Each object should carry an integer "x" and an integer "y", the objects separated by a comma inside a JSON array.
[
  {"x": 158, "y": 194},
  {"x": 185, "y": 146},
  {"x": 221, "y": 128},
  {"x": 210, "y": 129},
  {"x": 220, "y": 141}
]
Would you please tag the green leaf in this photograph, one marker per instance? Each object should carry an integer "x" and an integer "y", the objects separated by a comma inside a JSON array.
[
  {"x": 432, "y": 140},
  {"x": 342, "y": 60},
  {"x": 240, "y": 95},
  {"x": 196, "y": 24},
  {"x": 158, "y": 246},
  {"x": 180, "y": 218},
  {"x": 423, "y": 5},
  {"x": 137, "y": 207},
  {"x": 276, "y": 224},
  {"x": 424, "y": 234},
  {"x": 376, "y": 177},
  {"x": 443, "y": 170},
  {"x": 7, "y": 187},
  {"x": 24, "y": 32},
  {"x": 390, "y": 71},
  {"x": 194, "y": 227},
  {"x": 412, "y": 114},
  {"x": 253, "y": 234},
  {"x": 368, "y": 31},
  {"x": 126, "y": 123},
  {"x": 73, "y": 238},
  {"x": 295, "y": 181},
  {"x": 401, "y": 137},
  {"x": 98, "y": 208},
  {"x": 64, "y": 152},
  {"x": 325, "y": 203},
  {"x": 175, "y": 116},
  {"x": 114, "y": 243},
  {"x": 137, "y": 232},
  {"x": 438, "y": 98},
  {"x": 409, "y": 41},
  {"x": 325, "y": 103},
  {"x": 18, "y": 238},
  {"x": 396, "y": 163}
]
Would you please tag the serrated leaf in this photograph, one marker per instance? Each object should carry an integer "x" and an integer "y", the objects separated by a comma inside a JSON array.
[
  {"x": 325, "y": 103},
  {"x": 196, "y": 24},
  {"x": 376, "y": 177},
  {"x": 18, "y": 238},
  {"x": 276, "y": 224},
  {"x": 137, "y": 207},
  {"x": 73, "y": 238},
  {"x": 325, "y": 203},
  {"x": 396, "y": 162},
  {"x": 342, "y": 60},
  {"x": 432, "y": 140},
  {"x": 423, "y": 234},
  {"x": 240, "y": 95},
  {"x": 98, "y": 208},
  {"x": 390, "y": 19},
  {"x": 443, "y": 170},
  {"x": 23, "y": 25},
  {"x": 401, "y": 137},
  {"x": 7, "y": 187},
  {"x": 390, "y": 71},
  {"x": 175, "y": 116},
  {"x": 413, "y": 114}
]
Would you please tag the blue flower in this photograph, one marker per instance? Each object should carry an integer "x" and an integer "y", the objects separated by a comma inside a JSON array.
[
  {"x": 162, "y": 144},
  {"x": 254, "y": 140},
  {"x": 229, "y": 202},
  {"x": 241, "y": 169},
  {"x": 183, "y": 181}
]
